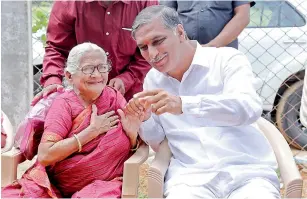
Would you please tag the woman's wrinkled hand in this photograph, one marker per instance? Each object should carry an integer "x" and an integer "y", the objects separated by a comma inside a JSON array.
[
  {"x": 131, "y": 124},
  {"x": 102, "y": 123}
]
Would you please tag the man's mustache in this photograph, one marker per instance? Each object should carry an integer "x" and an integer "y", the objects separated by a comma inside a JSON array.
[{"x": 156, "y": 59}]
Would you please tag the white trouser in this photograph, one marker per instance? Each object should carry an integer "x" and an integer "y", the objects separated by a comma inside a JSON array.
[{"x": 251, "y": 189}]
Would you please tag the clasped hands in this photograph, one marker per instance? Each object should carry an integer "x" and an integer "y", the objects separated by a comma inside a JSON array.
[
  {"x": 137, "y": 110},
  {"x": 155, "y": 101}
]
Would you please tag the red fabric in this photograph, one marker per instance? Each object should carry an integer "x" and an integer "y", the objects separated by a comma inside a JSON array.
[
  {"x": 75, "y": 22},
  {"x": 3, "y": 140},
  {"x": 30, "y": 130},
  {"x": 89, "y": 172}
]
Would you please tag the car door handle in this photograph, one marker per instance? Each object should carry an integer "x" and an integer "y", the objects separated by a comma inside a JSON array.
[{"x": 295, "y": 41}]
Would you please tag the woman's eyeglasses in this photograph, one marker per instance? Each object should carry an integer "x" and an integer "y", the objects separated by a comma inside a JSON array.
[{"x": 102, "y": 68}]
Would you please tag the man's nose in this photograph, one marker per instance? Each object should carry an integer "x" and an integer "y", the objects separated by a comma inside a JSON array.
[{"x": 153, "y": 52}]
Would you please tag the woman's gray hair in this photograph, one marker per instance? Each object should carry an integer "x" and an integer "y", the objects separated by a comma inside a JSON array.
[
  {"x": 77, "y": 52},
  {"x": 168, "y": 15}
]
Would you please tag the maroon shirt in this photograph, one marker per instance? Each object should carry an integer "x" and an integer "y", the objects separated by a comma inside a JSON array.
[{"x": 75, "y": 22}]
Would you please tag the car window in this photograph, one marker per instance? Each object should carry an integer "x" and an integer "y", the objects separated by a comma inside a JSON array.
[{"x": 275, "y": 14}]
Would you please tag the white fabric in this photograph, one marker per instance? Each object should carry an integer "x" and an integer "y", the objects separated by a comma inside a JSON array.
[
  {"x": 215, "y": 133},
  {"x": 251, "y": 189},
  {"x": 255, "y": 189},
  {"x": 9, "y": 131},
  {"x": 303, "y": 109}
]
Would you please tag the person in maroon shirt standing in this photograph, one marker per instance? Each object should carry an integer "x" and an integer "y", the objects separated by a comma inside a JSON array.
[{"x": 105, "y": 23}]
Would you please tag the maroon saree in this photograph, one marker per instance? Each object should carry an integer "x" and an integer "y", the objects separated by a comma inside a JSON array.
[{"x": 95, "y": 172}]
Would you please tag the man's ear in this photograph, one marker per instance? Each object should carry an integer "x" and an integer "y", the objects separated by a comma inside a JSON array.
[{"x": 181, "y": 32}]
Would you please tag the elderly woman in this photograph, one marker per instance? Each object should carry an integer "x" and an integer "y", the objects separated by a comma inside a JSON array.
[{"x": 85, "y": 143}]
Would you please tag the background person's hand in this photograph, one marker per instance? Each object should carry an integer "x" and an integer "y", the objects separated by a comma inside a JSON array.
[
  {"x": 101, "y": 124},
  {"x": 46, "y": 91},
  {"x": 211, "y": 44},
  {"x": 118, "y": 84}
]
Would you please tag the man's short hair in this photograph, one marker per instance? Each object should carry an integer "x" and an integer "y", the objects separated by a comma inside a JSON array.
[{"x": 168, "y": 15}]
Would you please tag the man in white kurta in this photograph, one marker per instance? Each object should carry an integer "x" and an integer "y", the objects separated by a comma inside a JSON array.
[{"x": 203, "y": 101}]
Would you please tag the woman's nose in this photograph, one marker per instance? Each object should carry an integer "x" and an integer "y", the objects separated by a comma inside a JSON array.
[{"x": 96, "y": 72}]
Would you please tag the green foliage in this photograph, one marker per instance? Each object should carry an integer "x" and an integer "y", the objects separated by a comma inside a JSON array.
[
  {"x": 40, "y": 17},
  {"x": 142, "y": 196}
]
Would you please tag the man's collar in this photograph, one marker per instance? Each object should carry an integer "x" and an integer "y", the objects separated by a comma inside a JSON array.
[
  {"x": 124, "y": 1},
  {"x": 198, "y": 58}
]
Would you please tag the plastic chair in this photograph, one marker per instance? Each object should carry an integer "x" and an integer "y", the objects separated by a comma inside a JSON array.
[
  {"x": 12, "y": 158},
  {"x": 290, "y": 175},
  {"x": 9, "y": 132}
]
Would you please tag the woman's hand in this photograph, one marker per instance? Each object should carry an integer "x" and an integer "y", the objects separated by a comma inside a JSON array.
[
  {"x": 131, "y": 124},
  {"x": 138, "y": 107},
  {"x": 51, "y": 152},
  {"x": 102, "y": 123}
]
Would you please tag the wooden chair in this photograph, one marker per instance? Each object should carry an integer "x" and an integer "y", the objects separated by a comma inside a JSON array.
[{"x": 290, "y": 175}]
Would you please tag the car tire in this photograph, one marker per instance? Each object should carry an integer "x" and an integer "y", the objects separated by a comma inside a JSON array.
[{"x": 287, "y": 116}]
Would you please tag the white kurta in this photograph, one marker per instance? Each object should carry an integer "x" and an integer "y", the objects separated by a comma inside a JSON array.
[{"x": 214, "y": 140}]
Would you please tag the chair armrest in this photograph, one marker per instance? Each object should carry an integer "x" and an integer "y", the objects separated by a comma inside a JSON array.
[
  {"x": 157, "y": 171},
  {"x": 9, "y": 131},
  {"x": 289, "y": 172},
  {"x": 9, "y": 163},
  {"x": 131, "y": 172}
]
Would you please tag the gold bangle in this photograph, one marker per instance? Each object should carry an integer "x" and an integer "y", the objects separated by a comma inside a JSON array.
[
  {"x": 137, "y": 145},
  {"x": 79, "y": 143}
]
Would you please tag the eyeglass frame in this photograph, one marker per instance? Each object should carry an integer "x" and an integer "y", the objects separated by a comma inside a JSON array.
[{"x": 96, "y": 67}]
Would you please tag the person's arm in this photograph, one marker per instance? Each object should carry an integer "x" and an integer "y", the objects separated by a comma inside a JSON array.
[
  {"x": 171, "y": 4},
  {"x": 125, "y": 120},
  {"x": 137, "y": 69},
  {"x": 151, "y": 130},
  {"x": 55, "y": 144},
  {"x": 60, "y": 39},
  {"x": 234, "y": 27},
  {"x": 50, "y": 152},
  {"x": 238, "y": 104}
]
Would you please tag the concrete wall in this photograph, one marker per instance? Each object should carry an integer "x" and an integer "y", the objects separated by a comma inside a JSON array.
[{"x": 16, "y": 56}]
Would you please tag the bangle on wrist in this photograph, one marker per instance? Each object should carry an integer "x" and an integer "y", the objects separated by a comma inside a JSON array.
[
  {"x": 79, "y": 143},
  {"x": 136, "y": 146}
]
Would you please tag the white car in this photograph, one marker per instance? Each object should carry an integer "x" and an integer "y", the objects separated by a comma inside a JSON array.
[{"x": 275, "y": 43}]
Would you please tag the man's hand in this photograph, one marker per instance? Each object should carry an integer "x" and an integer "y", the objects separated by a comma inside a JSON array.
[
  {"x": 160, "y": 102},
  {"x": 118, "y": 84},
  {"x": 46, "y": 91},
  {"x": 136, "y": 108}
]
